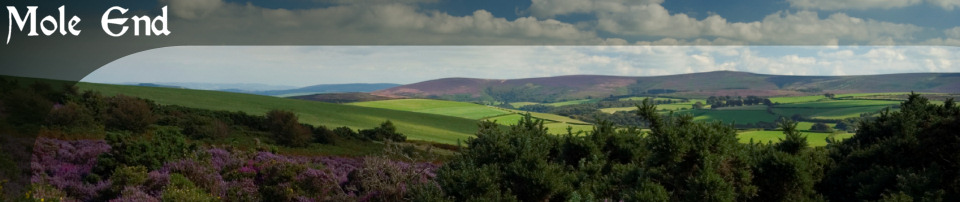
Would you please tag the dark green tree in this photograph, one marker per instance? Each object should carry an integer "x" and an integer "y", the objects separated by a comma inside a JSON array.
[
  {"x": 907, "y": 154},
  {"x": 287, "y": 130},
  {"x": 695, "y": 160}
]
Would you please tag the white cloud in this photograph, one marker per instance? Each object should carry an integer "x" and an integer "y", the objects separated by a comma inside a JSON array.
[
  {"x": 946, "y": 4},
  {"x": 868, "y": 4},
  {"x": 851, "y": 4},
  {"x": 953, "y": 33},
  {"x": 551, "y": 8},
  {"x": 368, "y": 23},
  {"x": 650, "y": 19}
]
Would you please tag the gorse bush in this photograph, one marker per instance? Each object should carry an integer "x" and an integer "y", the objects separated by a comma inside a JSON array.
[{"x": 150, "y": 151}]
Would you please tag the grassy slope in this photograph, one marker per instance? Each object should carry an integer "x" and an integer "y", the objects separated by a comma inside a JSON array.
[
  {"x": 732, "y": 116},
  {"x": 571, "y": 102},
  {"x": 815, "y": 139},
  {"x": 441, "y": 107},
  {"x": 417, "y": 126}
]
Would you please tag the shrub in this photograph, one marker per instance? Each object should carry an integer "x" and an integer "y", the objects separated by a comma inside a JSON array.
[
  {"x": 166, "y": 144},
  {"x": 386, "y": 131},
  {"x": 71, "y": 116},
  {"x": 128, "y": 176},
  {"x": 821, "y": 127},
  {"x": 128, "y": 113},
  {"x": 202, "y": 127},
  {"x": 323, "y": 135},
  {"x": 287, "y": 130},
  {"x": 276, "y": 179},
  {"x": 182, "y": 189},
  {"x": 344, "y": 131},
  {"x": 134, "y": 194}
]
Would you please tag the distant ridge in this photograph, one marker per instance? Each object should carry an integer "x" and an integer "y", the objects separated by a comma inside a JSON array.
[
  {"x": 684, "y": 85},
  {"x": 330, "y": 88}
]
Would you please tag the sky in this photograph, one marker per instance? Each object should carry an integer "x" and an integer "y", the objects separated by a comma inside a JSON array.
[
  {"x": 608, "y": 37},
  {"x": 582, "y": 22},
  {"x": 311, "y": 65}
]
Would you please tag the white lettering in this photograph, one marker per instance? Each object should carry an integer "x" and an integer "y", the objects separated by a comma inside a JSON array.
[
  {"x": 21, "y": 22},
  {"x": 105, "y": 21}
]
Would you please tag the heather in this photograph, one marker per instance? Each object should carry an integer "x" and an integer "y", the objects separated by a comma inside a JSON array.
[{"x": 62, "y": 170}]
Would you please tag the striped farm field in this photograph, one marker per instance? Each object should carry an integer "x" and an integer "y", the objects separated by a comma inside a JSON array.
[{"x": 440, "y": 107}]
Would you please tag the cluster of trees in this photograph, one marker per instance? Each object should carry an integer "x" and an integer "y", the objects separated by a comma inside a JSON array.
[
  {"x": 899, "y": 156},
  {"x": 679, "y": 159},
  {"x": 727, "y": 101}
]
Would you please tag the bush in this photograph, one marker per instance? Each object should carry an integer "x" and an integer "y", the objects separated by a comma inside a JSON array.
[
  {"x": 344, "y": 131},
  {"x": 166, "y": 144},
  {"x": 821, "y": 127},
  {"x": 128, "y": 176},
  {"x": 201, "y": 127},
  {"x": 323, "y": 135},
  {"x": 287, "y": 130},
  {"x": 386, "y": 131},
  {"x": 128, "y": 113},
  {"x": 182, "y": 189},
  {"x": 276, "y": 180}
]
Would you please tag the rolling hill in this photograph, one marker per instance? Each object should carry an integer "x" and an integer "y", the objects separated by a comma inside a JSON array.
[
  {"x": 695, "y": 85},
  {"x": 417, "y": 126},
  {"x": 328, "y": 88},
  {"x": 341, "y": 97}
]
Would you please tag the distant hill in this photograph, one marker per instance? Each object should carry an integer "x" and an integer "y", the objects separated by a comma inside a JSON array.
[
  {"x": 549, "y": 89},
  {"x": 272, "y": 90},
  {"x": 230, "y": 87},
  {"x": 328, "y": 88},
  {"x": 341, "y": 97}
]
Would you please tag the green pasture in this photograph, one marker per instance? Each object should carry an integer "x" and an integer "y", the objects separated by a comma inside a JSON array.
[
  {"x": 441, "y": 107},
  {"x": 765, "y": 137}
]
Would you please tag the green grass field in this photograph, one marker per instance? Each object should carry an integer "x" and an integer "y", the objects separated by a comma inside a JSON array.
[
  {"x": 521, "y": 104},
  {"x": 805, "y": 126},
  {"x": 641, "y": 98},
  {"x": 765, "y": 137},
  {"x": 797, "y": 99},
  {"x": 840, "y": 104},
  {"x": 571, "y": 102},
  {"x": 417, "y": 126},
  {"x": 617, "y": 109},
  {"x": 441, "y": 107},
  {"x": 833, "y": 109},
  {"x": 732, "y": 116}
]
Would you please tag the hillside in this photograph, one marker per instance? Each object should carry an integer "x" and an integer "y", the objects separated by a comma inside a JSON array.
[
  {"x": 417, "y": 126},
  {"x": 328, "y": 88},
  {"x": 340, "y": 97},
  {"x": 695, "y": 85},
  {"x": 557, "y": 124}
]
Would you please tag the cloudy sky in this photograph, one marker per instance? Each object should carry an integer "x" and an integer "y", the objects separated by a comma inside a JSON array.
[
  {"x": 791, "y": 37},
  {"x": 580, "y": 22}
]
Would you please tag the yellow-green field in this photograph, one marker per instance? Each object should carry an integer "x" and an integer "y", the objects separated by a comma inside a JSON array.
[
  {"x": 441, "y": 107},
  {"x": 765, "y": 137}
]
